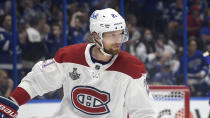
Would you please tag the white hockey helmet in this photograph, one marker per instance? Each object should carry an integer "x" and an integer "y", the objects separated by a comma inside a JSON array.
[{"x": 107, "y": 20}]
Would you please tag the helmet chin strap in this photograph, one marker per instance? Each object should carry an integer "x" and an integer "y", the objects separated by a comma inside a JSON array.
[
  {"x": 100, "y": 44},
  {"x": 102, "y": 48},
  {"x": 103, "y": 52}
]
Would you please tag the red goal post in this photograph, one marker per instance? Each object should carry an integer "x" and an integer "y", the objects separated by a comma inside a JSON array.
[{"x": 172, "y": 101}]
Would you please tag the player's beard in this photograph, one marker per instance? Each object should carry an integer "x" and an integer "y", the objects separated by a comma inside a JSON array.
[{"x": 112, "y": 51}]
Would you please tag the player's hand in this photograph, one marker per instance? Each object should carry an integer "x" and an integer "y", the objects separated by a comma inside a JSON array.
[{"x": 8, "y": 108}]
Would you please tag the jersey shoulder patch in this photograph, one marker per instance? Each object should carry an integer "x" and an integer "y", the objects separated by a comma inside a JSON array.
[
  {"x": 129, "y": 65},
  {"x": 72, "y": 54}
]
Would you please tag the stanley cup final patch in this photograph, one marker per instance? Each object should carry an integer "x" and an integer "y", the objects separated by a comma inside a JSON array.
[{"x": 74, "y": 75}]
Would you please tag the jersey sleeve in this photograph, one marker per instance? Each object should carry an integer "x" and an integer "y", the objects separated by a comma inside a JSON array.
[
  {"x": 44, "y": 77},
  {"x": 138, "y": 101}
]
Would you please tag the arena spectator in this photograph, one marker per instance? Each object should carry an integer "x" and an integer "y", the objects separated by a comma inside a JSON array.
[
  {"x": 201, "y": 5},
  {"x": 5, "y": 39},
  {"x": 6, "y": 42},
  {"x": 206, "y": 54},
  {"x": 54, "y": 41},
  {"x": 59, "y": 18},
  {"x": 149, "y": 40},
  {"x": 33, "y": 48},
  {"x": 173, "y": 15},
  {"x": 162, "y": 45},
  {"x": 145, "y": 49},
  {"x": 28, "y": 10},
  {"x": 194, "y": 22},
  {"x": 207, "y": 47},
  {"x": 165, "y": 76},
  {"x": 205, "y": 32},
  {"x": 165, "y": 68},
  {"x": 6, "y": 84},
  {"x": 134, "y": 33},
  {"x": 197, "y": 75},
  {"x": 78, "y": 28}
]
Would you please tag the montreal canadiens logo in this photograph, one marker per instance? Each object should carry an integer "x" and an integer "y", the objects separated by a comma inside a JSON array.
[{"x": 90, "y": 100}]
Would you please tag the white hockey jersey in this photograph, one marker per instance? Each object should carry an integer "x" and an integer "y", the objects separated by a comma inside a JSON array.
[{"x": 92, "y": 90}]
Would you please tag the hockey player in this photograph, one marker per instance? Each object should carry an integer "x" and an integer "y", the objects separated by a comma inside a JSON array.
[{"x": 99, "y": 80}]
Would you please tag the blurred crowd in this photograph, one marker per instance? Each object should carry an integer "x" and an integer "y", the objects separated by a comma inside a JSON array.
[{"x": 155, "y": 29}]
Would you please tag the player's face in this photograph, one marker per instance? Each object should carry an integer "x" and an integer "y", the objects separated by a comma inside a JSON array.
[
  {"x": 3, "y": 79},
  {"x": 112, "y": 41},
  {"x": 192, "y": 46},
  {"x": 208, "y": 48},
  {"x": 56, "y": 30}
]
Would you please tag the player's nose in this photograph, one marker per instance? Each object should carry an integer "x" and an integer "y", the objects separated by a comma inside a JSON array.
[{"x": 118, "y": 39}]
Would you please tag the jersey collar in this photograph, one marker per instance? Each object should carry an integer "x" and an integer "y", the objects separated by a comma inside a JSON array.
[{"x": 96, "y": 65}]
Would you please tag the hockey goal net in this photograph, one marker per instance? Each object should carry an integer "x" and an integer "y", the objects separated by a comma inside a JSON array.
[{"x": 171, "y": 101}]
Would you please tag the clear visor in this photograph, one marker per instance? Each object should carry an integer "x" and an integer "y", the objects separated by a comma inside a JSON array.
[{"x": 125, "y": 35}]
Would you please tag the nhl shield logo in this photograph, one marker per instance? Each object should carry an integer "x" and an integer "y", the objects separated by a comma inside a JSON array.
[{"x": 74, "y": 75}]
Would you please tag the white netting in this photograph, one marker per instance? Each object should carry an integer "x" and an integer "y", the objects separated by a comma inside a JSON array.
[
  {"x": 170, "y": 103},
  {"x": 168, "y": 95}
]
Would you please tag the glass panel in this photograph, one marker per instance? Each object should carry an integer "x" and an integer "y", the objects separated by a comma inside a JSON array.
[{"x": 156, "y": 37}]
